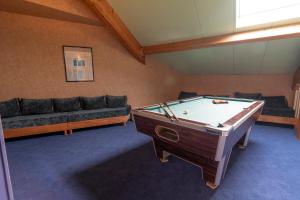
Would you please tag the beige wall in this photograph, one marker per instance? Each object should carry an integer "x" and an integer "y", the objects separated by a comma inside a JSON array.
[
  {"x": 228, "y": 84},
  {"x": 32, "y": 65},
  {"x": 76, "y": 7}
]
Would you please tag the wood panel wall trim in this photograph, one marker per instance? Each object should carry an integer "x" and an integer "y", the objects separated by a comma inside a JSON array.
[
  {"x": 281, "y": 32},
  {"x": 34, "y": 130},
  {"x": 277, "y": 119},
  {"x": 106, "y": 14},
  {"x": 97, "y": 122}
]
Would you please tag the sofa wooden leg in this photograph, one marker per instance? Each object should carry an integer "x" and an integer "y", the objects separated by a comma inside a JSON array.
[
  {"x": 70, "y": 131},
  {"x": 65, "y": 132}
]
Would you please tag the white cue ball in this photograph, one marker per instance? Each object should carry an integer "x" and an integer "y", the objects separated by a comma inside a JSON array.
[{"x": 185, "y": 112}]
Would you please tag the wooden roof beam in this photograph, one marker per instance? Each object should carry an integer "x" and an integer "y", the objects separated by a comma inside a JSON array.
[
  {"x": 106, "y": 13},
  {"x": 282, "y": 32}
]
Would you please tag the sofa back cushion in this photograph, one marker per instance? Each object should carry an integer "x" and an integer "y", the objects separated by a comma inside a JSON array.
[
  {"x": 116, "y": 101},
  {"x": 36, "y": 106},
  {"x": 275, "y": 101},
  {"x": 247, "y": 95},
  {"x": 66, "y": 104},
  {"x": 184, "y": 95},
  {"x": 90, "y": 103},
  {"x": 10, "y": 108}
]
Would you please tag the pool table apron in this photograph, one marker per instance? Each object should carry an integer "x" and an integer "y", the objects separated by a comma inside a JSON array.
[{"x": 205, "y": 147}]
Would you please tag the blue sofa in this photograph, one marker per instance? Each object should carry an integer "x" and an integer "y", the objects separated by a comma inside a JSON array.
[
  {"x": 21, "y": 117},
  {"x": 274, "y": 105}
]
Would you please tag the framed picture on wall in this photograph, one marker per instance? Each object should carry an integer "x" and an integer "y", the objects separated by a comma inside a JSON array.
[{"x": 78, "y": 63}]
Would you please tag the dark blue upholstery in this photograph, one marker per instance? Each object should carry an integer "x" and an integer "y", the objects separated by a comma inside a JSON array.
[
  {"x": 90, "y": 103},
  {"x": 223, "y": 95},
  {"x": 247, "y": 95},
  {"x": 282, "y": 112},
  {"x": 10, "y": 108},
  {"x": 98, "y": 113},
  {"x": 36, "y": 106},
  {"x": 185, "y": 95},
  {"x": 66, "y": 104},
  {"x": 116, "y": 101},
  {"x": 275, "y": 101},
  {"x": 34, "y": 120},
  {"x": 277, "y": 106},
  {"x": 66, "y": 110}
]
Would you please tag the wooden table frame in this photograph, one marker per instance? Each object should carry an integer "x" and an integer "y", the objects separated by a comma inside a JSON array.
[
  {"x": 208, "y": 147},
  {"x": 282, "y": 120}
]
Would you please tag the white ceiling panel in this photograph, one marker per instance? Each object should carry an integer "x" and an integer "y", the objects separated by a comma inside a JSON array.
[
  {"x": 216, "y": 17},
  {"x": 158, "y": 21},
  {"x": 249, "y": 57},
  {"x": 201, "y": 60},
  {"x": 272, "y": 57},
  {"x": 161, "y": 21},
  {"x": 282, "y": 56}
]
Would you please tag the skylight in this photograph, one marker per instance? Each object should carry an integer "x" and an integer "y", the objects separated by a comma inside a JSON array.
[{"x": 256, "y": 12}]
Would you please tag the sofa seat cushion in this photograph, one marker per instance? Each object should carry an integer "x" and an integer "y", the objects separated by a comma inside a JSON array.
[
  {"x": 282, "y": 112},
  {"x": 275, "y": 101},
  {"x": 98, "y": 113},
  {"x": 67, "y": 104},
  {"x": 90, "y": 103},
  {"x": 34, "y": 120},
  {"x": 36, "y": 106},
  {"x": 247, "y": 95},
  {"x": 10, "y": 108}
]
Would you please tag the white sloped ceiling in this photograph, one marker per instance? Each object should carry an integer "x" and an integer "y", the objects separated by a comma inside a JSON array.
[{"x": 157, "y": 21}]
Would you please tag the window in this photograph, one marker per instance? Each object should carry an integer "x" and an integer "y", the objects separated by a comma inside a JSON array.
[{"x": 256, "y": 12}]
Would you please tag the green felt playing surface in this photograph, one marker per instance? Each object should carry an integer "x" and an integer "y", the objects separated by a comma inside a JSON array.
[{"x": 203, "y": 110}]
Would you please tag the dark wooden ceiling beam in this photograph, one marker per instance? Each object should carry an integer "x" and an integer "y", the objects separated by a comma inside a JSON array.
[
  {"x": 282, "y": 32},
  {"x": 106, "y": 13}
]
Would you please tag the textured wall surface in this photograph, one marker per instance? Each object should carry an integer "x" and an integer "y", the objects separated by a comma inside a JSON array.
[
  {"x": 32, "y": 63},
  {"x": 71, "y": 6},
  {"x": 228, "y": 84},
  {"x": 31, "y": 66}
]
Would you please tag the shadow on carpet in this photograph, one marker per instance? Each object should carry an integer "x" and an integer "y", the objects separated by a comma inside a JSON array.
[{"x": 138, "y": 174}]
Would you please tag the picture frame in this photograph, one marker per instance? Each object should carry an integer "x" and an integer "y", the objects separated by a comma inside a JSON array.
[{"x": 78, "y": 63}]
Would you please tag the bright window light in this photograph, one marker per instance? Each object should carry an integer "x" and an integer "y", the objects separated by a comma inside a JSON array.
[{"x": 256, "y": 12}]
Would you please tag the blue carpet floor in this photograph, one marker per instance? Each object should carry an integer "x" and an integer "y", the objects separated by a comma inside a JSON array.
[{"x": 116, "y": 162}]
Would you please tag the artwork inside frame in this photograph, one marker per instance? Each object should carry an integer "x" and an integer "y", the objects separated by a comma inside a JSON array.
[{"x": 78, "y": 63}]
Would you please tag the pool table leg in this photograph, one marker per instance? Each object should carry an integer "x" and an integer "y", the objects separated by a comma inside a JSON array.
[
  {"x": 164, "y": 157},
  {"x": 244, "y": 142},
  {"x": 214, "y": 181},
  {"x": 160, "y": 153}
]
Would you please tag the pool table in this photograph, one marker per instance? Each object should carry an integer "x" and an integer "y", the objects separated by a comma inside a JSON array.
[{"x": 199, "y": 130}]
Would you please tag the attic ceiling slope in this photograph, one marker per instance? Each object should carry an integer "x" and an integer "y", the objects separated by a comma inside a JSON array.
[
  {"x": 266, "y": 57},
  {"x": 287, "y": 31},
  {"x": 74, "y": 11},
  {"x": 169, "y": 21},
  {"x": 77, "y": 7},
  {"x": 106, "y": 13}
]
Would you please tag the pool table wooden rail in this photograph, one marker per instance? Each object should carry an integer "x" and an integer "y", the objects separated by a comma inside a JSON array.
[{"x": 200, "y": 144}]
